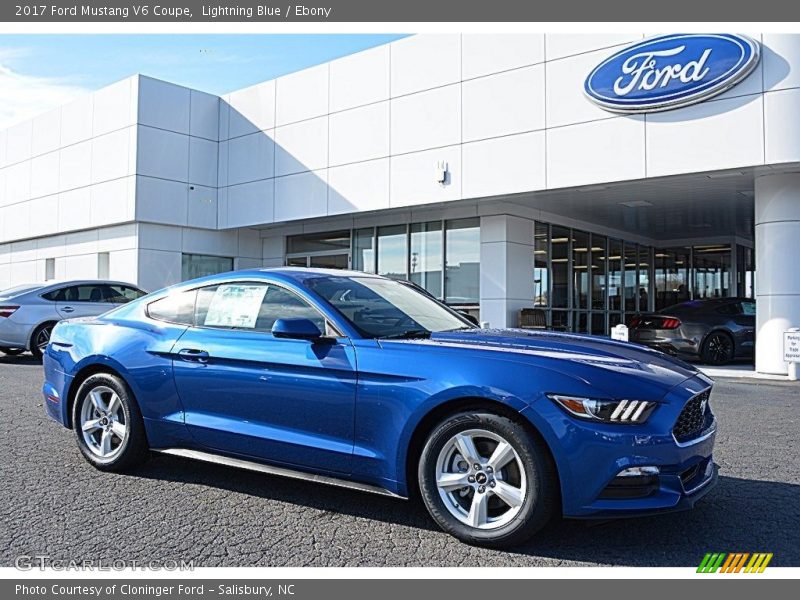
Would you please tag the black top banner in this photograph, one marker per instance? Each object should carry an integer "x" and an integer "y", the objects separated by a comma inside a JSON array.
[{"x": 182, "y": 11}]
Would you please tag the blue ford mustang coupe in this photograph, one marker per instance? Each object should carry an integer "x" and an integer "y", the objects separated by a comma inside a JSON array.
[{"x": 357, "y": 380}]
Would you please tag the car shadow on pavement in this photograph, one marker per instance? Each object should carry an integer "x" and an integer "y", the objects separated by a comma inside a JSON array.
[
  {"x": 20, "y": 359},
  {"x": 739, "y": 515}
]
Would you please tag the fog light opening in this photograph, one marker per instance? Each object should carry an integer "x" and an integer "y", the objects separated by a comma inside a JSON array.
[
  {"x": 639, "y": 472},
  {"x": 633, "y": 482}
]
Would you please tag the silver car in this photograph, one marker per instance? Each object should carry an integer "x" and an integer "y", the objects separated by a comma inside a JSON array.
[{"x": 29, "y": 312}]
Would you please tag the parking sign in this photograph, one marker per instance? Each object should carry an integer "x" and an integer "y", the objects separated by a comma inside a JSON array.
[{"x": 791, "y": 346}]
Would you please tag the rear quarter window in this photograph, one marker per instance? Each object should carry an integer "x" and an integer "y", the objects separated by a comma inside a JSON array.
[
  {"x": 54, "y": 295},
  {"x": 175, "y": 308}
]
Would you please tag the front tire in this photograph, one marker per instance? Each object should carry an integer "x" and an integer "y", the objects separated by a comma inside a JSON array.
[
  {"x": 486, "y": 480},
  {"x": 108, "y": 425}
]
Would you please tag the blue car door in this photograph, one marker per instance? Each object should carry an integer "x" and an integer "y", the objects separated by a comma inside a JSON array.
[{"x": 248, "y": 393}]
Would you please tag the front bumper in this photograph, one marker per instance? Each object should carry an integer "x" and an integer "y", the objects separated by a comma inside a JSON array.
[
  {"x": 55, "y": 387},
  {"x": 589, "y": 456},
  {"x": 660, "y": 502}
]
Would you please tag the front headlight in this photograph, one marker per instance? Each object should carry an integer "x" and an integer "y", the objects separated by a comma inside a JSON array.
[{"x": 607, "y": 411}]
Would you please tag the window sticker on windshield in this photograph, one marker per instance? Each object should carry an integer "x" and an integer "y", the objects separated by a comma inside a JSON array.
[{"x": 235, "y": 305}]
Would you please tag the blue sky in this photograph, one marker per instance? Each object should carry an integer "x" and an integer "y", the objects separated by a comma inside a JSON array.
[{"x": 39, "y": 72}]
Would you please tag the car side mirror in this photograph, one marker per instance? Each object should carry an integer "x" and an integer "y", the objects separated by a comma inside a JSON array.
[{"x": 297, "y": 329}]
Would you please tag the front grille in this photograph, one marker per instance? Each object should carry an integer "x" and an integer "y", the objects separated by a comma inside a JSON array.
[{"x": 693, "y": 418}]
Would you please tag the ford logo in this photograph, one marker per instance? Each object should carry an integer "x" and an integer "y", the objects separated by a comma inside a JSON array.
[{"x": 671, "y": 71}]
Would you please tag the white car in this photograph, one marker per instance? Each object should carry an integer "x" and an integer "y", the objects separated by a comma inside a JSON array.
[{"x": 29, "y": 312}]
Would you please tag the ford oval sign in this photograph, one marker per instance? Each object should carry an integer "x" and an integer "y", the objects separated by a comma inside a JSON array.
[{"x": 670, "y": 71}]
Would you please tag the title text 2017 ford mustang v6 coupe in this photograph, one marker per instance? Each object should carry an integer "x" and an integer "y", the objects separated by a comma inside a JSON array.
[{"x": 358, "y": 380}]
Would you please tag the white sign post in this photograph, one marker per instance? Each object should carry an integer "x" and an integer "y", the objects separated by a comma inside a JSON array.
[
  {"x": 791, "y": 351},
  {"x": 620, "y": 332}
]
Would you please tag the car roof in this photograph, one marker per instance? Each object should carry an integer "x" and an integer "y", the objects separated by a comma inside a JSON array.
[
  {"x": 297, "y": 275},
  {"x": 54, "y": 285},
  {"x": 702, "y": 303}
]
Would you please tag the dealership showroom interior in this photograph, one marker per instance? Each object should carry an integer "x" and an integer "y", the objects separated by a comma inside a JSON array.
[{"x": 476, "y": 166}]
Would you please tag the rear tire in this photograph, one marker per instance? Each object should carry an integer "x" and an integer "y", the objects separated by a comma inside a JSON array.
[
  {"x": 40, "y": 339},
  {"x": 718, "y": 349},
  {"x": 108, "y": 424},
  {"x": 511, "y": 495}
]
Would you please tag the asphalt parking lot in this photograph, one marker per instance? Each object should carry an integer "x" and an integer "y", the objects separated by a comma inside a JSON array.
[{"x": 53, "y": 503}]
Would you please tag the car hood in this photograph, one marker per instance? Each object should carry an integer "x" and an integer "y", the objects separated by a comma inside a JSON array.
[{"x": 574, "y": 355}]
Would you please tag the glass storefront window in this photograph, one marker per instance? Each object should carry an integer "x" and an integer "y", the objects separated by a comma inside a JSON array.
[
  {"x": 200, "y": 265},
  {"x": 462, "y": 253},
  {"x": 671, "y": 276},
  {"x": 318, "y": 242},
  {"x": 426, "y": 256},
  {"x": 745, "y": 272},
  {"x": 598, "y": 265},
  {"x": 631, "y": 255},
  {"x": 580, "y": 269},
  {"x": 598, "y": 323},
  {"x": 392, "y": 251},
  {"x": 560, "y": 320},
  {"x": 712, "y": 266},
  {"x": 364, "y": 250},
  {"x": 541, "y": 268},
  {"x": 582, "y": 281},
  {"x": 615, "y": 282},
  {"x": 560, "y": 267},
  {"x": 644, "y": 278}
]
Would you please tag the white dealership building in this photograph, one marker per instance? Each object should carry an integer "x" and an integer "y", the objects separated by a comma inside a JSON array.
[{"x": 474, "y": 165}]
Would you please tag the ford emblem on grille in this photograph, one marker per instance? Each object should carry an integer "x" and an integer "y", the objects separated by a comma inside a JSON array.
[{"x": 671, "y": 71}]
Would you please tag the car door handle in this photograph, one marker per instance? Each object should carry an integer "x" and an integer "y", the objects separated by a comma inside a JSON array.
[
  {"x": 68, "y": 309},
  {"x": 193, "y": 355}
]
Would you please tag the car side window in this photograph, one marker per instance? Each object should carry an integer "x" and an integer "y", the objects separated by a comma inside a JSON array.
[
  {"x": 729, "y": 310},
  {"x": 80, "y": 293},
  {"x": 749, "y": 309},
  {"x": 251, "y": 306},
  {"x": 122, "y": 294},
  {"x": 175, "y": 308},
  {"x": 279, "y": 303},
  {"x": 230, "y": 305}
]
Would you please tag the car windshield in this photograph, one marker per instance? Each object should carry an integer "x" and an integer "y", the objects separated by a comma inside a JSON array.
[
  {"x": 382, "y": 308},
  {"x": 19, "y": 289}
]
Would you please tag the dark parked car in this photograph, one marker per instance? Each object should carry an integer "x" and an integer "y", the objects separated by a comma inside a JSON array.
[{"x": 716, "y": 331}]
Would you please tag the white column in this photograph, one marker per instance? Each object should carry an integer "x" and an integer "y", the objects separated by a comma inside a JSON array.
[
  {"x": 506, "y": 268},
  {"x": 777, "y": 223}
]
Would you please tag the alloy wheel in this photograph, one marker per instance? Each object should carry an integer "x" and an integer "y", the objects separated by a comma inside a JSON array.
[
  {"x": 481, "y": 479},
  {"x": 103, "y": 423},
  {"x": 720, "y": 348},
  {"x": 43, "y": 338}
]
